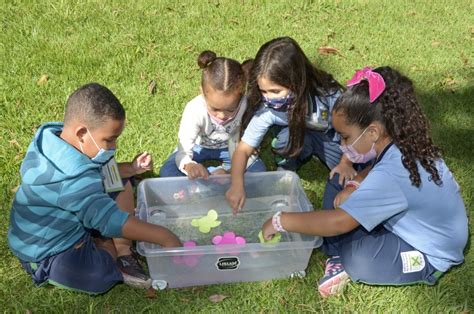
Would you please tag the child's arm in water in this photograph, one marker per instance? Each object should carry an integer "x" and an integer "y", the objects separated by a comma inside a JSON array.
[
  {"x": 325, "y": 223},
  {"x": 135, "y": 229},
  {"x": 236, "y": 193},
  {"x": 142, "y": 162}
]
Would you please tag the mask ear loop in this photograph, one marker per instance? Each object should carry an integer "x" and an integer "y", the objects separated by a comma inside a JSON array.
[
  {"x": 80, "y": 145},
  {"x": 93, "y": 140},
  {"x": 358, "y": 138}
]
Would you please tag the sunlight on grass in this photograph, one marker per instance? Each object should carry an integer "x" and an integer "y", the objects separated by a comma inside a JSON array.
[{"x": 126, "y": 45}]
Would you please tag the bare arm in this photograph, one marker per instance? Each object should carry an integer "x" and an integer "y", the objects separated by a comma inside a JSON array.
[
  {"x": 135, "y": 229},
  {"x": 141, "y": 163},
  {"x": 126, "y": 169},
  {"x": 323, "y": 223},
  {"x": 236, "y": 194}
]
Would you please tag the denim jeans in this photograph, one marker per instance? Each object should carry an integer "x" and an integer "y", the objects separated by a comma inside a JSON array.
[{"x": 201, "y": 154}]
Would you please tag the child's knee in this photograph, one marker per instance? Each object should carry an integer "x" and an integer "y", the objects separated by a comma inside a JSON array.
[{"x": 360, "y": 267}]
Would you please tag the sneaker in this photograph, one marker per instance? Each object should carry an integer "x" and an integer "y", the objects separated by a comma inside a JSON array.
[
  {"x": 335, "y": 278},
  {"x": 132, "y": 272}
]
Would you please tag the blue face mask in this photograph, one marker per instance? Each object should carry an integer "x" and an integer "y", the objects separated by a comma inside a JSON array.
[
  {"x": 279, "y": 104},
  {"x": 103, "y": 155}
]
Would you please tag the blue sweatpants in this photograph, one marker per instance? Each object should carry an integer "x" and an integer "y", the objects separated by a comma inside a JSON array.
[
  {"x": 321, "y": 145},
  {"x": 377, "y": 257},
  {"x": 201, "y": 154},
  {"x": 316, "y": 143}
]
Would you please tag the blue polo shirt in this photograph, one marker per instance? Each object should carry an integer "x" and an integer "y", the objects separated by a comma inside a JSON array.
[
  {"x": 265, "y": 117},
  {"x": 431, "y": 218}
]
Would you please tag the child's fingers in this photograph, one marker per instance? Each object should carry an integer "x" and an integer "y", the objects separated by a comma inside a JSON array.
[
  {"x": 336, "y": 203},
  {"x": 266, "y": 234},
  {"x": 241, "y": 203},
  {"x": 341, "y": 179},
  {"x": 204, "y": 174},
  {"x": 234, "y": 205},
  {"x": 331, "y": 174},
  {"x": 140, "y": 156},
  {"x": 146, "y": 162},
  {"x": 269, "y": 236}
]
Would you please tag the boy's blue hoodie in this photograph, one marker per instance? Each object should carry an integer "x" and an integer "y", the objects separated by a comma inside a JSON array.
[{"x": 61, "y": 194}]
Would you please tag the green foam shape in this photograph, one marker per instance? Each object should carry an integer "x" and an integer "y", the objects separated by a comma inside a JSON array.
[
  {"x": 204, "y": 224},
  {"x": 276, "y": 238}
]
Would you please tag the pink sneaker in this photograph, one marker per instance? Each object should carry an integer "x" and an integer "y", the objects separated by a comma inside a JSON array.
[{"x": 335, "y": 278}]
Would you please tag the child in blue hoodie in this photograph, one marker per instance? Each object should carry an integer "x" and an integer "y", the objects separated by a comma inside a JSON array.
[{"x": 65, "y": 229}]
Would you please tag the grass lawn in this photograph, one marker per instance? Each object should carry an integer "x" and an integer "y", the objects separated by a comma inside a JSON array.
[{"x": 125, "y": 45}]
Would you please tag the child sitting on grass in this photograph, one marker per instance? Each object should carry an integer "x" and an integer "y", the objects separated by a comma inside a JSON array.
[
  {"x": 65, "y": 229},
  {"x": 289, "y": 94},
  {"x": 403, "y": 222},
  {"x": 211, "y": 120}
]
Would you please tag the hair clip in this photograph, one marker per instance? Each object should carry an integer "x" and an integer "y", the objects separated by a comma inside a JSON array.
[{"x": 376, "y": 82}]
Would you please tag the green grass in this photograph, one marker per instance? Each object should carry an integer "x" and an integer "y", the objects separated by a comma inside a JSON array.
[{"x": 124, "y": 46}]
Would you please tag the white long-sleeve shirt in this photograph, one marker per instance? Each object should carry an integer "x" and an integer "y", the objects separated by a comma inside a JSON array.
[{"x": 197, "y": 127}]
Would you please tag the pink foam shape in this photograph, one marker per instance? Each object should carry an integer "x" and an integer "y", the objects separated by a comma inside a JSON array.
[
  {"x": 189, "y": 260},
  {"x": 228, "y": 237}
]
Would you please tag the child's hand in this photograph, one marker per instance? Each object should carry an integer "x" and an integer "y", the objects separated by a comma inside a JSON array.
[
  {"x": 342, "y": 196},
  {"x": 219, "y": 171},
  {"x": 236, "y": 198},
  {"x": 268, "y": 230},
  {"x": 142, "y": 163},
  {"x": 195, "y": 171},
  {"x": 345, "y": 170},
  {"x": 172, "y": 241}
]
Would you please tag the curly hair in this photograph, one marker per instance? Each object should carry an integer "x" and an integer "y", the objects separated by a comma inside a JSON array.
[
  {"x": 400, "y": 112},
  {"x": 282, "y": 61}
]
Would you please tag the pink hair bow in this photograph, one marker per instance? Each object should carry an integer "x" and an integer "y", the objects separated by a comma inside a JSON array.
[{"x": 376, "y": 82}]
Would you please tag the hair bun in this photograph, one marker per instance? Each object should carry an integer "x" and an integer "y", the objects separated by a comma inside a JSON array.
[
  {"x": 206, "y": 58},
  {"x": 247, "y": 68}
]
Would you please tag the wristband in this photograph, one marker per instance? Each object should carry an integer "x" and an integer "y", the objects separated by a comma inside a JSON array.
[
  {"x": 352, "y": 183},
  {"x": 276, "y": 222}
]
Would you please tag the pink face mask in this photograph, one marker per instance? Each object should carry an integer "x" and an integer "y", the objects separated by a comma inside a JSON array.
[
  {"x": 356, "y": 157},
  {"x": 223, "y": 121},
  {"x": 219, "y": 121}
]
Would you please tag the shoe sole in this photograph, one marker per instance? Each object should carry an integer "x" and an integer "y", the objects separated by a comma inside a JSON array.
[
  {"x": 136, "y": 283},
  {"x": 334, "y": 286}
]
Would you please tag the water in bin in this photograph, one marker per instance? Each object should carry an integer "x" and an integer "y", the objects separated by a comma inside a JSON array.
[
  {"x": 279, "y": 205},
  {"x": 157, "y": 215}
]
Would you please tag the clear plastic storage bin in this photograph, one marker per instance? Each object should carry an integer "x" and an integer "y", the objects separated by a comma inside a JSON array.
[{"x": 175, "y": 202}]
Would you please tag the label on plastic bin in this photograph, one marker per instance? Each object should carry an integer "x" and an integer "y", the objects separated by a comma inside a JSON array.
[{"x": 228, "y": 263}]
